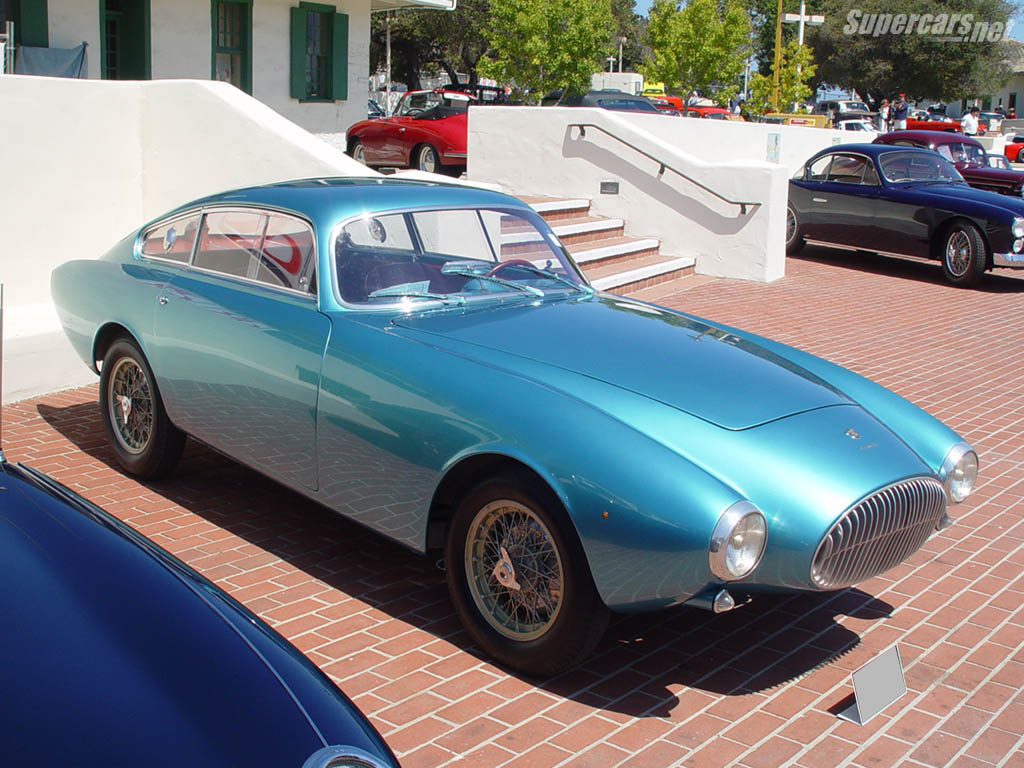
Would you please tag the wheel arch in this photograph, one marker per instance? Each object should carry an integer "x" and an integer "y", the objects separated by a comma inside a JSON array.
[
  {"x": 107, "y": 334},
  {"x": 943, "y": 228},
  {"x": 469, "y": 471}
]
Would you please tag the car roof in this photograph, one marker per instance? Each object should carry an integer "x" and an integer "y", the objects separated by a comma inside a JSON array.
[
  {"x": 871, "y": 150},
  {"x": 340, "y": 197},
  {"x": 931, "y": 137}
]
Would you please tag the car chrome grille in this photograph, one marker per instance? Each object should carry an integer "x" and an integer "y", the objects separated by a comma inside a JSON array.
[{"x": 878, "y": 533}]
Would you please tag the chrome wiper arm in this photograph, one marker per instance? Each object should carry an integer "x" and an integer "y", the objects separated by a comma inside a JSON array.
[
  {"x": 387, "y": 293},
  {"x": 552, "y": 276},
  {"x": 507, "y": 283}
]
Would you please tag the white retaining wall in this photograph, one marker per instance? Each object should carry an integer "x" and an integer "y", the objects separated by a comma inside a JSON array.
[
  {"x": 87, "y": 161},
  {"x": 532, "y": 150}
]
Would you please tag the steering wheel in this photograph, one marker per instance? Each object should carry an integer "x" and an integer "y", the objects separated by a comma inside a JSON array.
[
  {"x": 510, "y": 263},
  {"x": 413, "y": 111}
]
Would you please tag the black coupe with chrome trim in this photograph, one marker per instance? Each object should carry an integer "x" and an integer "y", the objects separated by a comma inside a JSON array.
[{"x": 903, "y": 201}]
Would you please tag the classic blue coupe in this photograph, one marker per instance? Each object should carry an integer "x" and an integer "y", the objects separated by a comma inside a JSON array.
[
  {"x": 427, "y": 360},
  {"x": 117, "y": 654},
  {"x": 903, "y": 201}
]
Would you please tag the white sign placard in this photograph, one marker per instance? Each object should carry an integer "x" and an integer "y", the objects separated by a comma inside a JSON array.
[{"x": 876, "y": 684}]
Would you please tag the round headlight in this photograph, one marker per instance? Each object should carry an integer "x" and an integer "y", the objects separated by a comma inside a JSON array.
[
  {"x": 1018, "y": 227},
  {"x": 1018, "y": 244},
  {"x": 960, "y": 471},
  {"x": 738, "y": 541}
]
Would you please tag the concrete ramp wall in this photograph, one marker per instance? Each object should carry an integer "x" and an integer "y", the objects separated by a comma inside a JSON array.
[{"x": 87, "y": 161}]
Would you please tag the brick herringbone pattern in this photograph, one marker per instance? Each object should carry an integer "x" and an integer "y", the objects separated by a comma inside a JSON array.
[{"x": 756, "y": 687}]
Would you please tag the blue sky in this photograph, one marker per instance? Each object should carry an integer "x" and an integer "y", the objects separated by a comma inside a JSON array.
[{"x": 1017, "y": 32}]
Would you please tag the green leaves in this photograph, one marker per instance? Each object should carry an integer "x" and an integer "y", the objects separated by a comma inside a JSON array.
[
  {"x": 703, "y": 44},
  {"x": 539, "y": 45},
  {"x": 796, "y": 68}
]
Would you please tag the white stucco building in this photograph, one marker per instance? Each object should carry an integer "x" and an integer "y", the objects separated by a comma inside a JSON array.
[{"x": 307, "y": 61}]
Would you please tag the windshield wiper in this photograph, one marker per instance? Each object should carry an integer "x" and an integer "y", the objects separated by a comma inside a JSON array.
[
  {"x": 391, "y": 293},
  {"x": 469, "y": 272},
  {"x": 552, "y": 276}
]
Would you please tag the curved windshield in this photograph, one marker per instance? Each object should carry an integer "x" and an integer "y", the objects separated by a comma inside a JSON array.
[
  {"x": 627, "y": 105},
  {"x": 901, "y": 167},
  {"x": 449, "y": 255}
]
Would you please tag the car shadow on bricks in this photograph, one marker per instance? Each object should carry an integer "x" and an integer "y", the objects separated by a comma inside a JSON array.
[
  {"x": 259, "y": 540},
  {"x": 868, "y": 262}
]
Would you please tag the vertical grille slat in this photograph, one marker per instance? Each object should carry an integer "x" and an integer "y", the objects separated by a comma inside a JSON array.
[{"x": 878, "y": 533}]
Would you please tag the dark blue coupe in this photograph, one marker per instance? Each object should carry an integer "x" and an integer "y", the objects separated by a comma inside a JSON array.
[
  {"x": 903, "y": 201},
  {"x": 113, "y": 653}
]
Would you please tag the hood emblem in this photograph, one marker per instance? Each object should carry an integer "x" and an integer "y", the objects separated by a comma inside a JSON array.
[{"x": 853, "y": 434}]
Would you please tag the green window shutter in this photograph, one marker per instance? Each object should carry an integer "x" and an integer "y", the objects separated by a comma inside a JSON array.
[
  {"x": 297, "y": 52},
  {"x": 339, "y": 74},
  {"x": 34, "y": 26}
]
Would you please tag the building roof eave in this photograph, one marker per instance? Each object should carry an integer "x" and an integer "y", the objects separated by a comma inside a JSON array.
[{"x": 393, "y": 5}]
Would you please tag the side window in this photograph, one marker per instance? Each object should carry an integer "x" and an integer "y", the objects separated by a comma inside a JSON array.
[
  {"x": 847, "y": 169},
  {"x": 229, "y": 242},
  {"x": 871, "y": 175},
  {"x": 374, "y": 253},
  {"x": 818, "y": 170},
  {"x": 286, "y": 256},
  {"x": 171, "y": 240}
]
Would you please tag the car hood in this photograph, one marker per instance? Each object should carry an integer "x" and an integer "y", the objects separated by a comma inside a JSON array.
[
  {"x": 1009, "y": 178},
  {"x": 943, "y": 194},
  {"x": 114, "y": 655},
  {"x": 668, "y": 357}
]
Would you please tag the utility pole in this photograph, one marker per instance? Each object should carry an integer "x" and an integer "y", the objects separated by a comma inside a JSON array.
[{"x": 778, "y": 58}]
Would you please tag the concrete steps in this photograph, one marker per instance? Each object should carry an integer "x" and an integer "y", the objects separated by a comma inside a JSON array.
[{"x": 612, "y": 260}]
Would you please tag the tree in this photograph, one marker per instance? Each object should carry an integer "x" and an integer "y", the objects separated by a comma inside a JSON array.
[
  {"x": 452, "y": 40},
  {"x": 857, "y": 49},
  {"x": 701, "y": 46},
  {"x": 538, "y": 45},
  {"x": 633, "y": 27},
  {"x": 796, "y": 68}
]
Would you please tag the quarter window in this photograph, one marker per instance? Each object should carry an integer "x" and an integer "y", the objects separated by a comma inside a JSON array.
[
  {"x": 818, "y": 170},
  {"x": 172, "y": 240},
  {"x": 319, "y": 53},
  {"x": 275, "y": 249},
  {"x": 847, "y": 169}
]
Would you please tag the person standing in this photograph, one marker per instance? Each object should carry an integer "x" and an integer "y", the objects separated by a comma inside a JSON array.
[
  {"x": 969, "y": 122},
  {"x": 883, "y": 114},
  {"x": 899, "y": 113}
]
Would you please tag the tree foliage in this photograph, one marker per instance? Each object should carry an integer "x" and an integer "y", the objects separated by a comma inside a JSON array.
[
  {"x": 796, "y": 68},
  {"x": 702, "y": 45},
  {"x": 452, "y": 40},
  {"x": 853, "y": 52},
  {"x": 539, "y": 45}
]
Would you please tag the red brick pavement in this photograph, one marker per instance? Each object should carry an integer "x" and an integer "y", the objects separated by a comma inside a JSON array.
[{"x": 755, "y": 687}]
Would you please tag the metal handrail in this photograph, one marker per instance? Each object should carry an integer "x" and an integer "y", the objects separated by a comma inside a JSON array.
[{"x": 663, "y": 166}]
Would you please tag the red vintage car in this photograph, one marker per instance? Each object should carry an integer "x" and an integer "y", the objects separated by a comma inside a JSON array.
[
  {"x": 714, "y": 113},
  {"x": 966, "y": 153},
  {"x": 427, "y": 131},
  {"x": 1014, "y": 148}
]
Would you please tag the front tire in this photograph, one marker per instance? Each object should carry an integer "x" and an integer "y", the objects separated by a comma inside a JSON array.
[
  {"x": 145, "y": 442},
  {"x": 794, "y": 239},
  {"x": 1020, "y": 155},
  {"x": 519, "y": 580},
  {"x": 962, "y": 250}
]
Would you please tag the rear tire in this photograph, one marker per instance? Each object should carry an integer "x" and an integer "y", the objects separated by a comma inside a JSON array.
[
  {"x": 519, "y": 578},
  {"x": 145, "y": 442},
  {"x": 963, "y": 254},
  {"x": 794, "y": 239},
  {"x": 427, "y": 159},
  {"x": 356, "y": 151},
  {"x": 1020, "y": 155}
]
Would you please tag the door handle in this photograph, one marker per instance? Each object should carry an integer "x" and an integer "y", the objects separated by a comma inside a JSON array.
[
  {"x": 819, "y": 199},
  {"x": 162, "y": 300}
]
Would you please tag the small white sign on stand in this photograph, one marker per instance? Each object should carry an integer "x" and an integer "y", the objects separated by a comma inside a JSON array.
[{"x": 876, "y": 684}]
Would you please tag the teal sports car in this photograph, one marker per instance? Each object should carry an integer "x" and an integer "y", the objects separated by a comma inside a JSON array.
[{"x": 427, "y": 360}]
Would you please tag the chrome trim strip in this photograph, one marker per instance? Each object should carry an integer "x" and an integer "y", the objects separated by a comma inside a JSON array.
[
  {"x": 828, "y": 244},
  {"x": 1011, "y": 260},
  {"x": 462, "y": 155}
]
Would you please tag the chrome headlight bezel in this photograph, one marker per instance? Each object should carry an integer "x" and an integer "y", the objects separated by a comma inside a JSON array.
[
  {"x": 1018, "y": 226},
  {"x": 738, "y": 514},
  {"x": 960, "y": 456}
]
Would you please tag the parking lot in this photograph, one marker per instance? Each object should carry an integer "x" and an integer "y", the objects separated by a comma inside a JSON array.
[{"x": 759, "y": 686}]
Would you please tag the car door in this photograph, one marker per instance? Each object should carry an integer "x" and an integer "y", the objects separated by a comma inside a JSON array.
[
  {"x": 395, "y": 144},
  {"x": 842, "y": 201},
  {"x": 240, "y": 342}
]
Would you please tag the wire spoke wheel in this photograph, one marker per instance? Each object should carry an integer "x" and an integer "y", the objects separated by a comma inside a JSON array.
[
  {"x": 958, "y": 253},
  {"x": 514, "y": 570},
  {"x": 790, "y": 225},
  {"x": 130, "y": 405}
]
